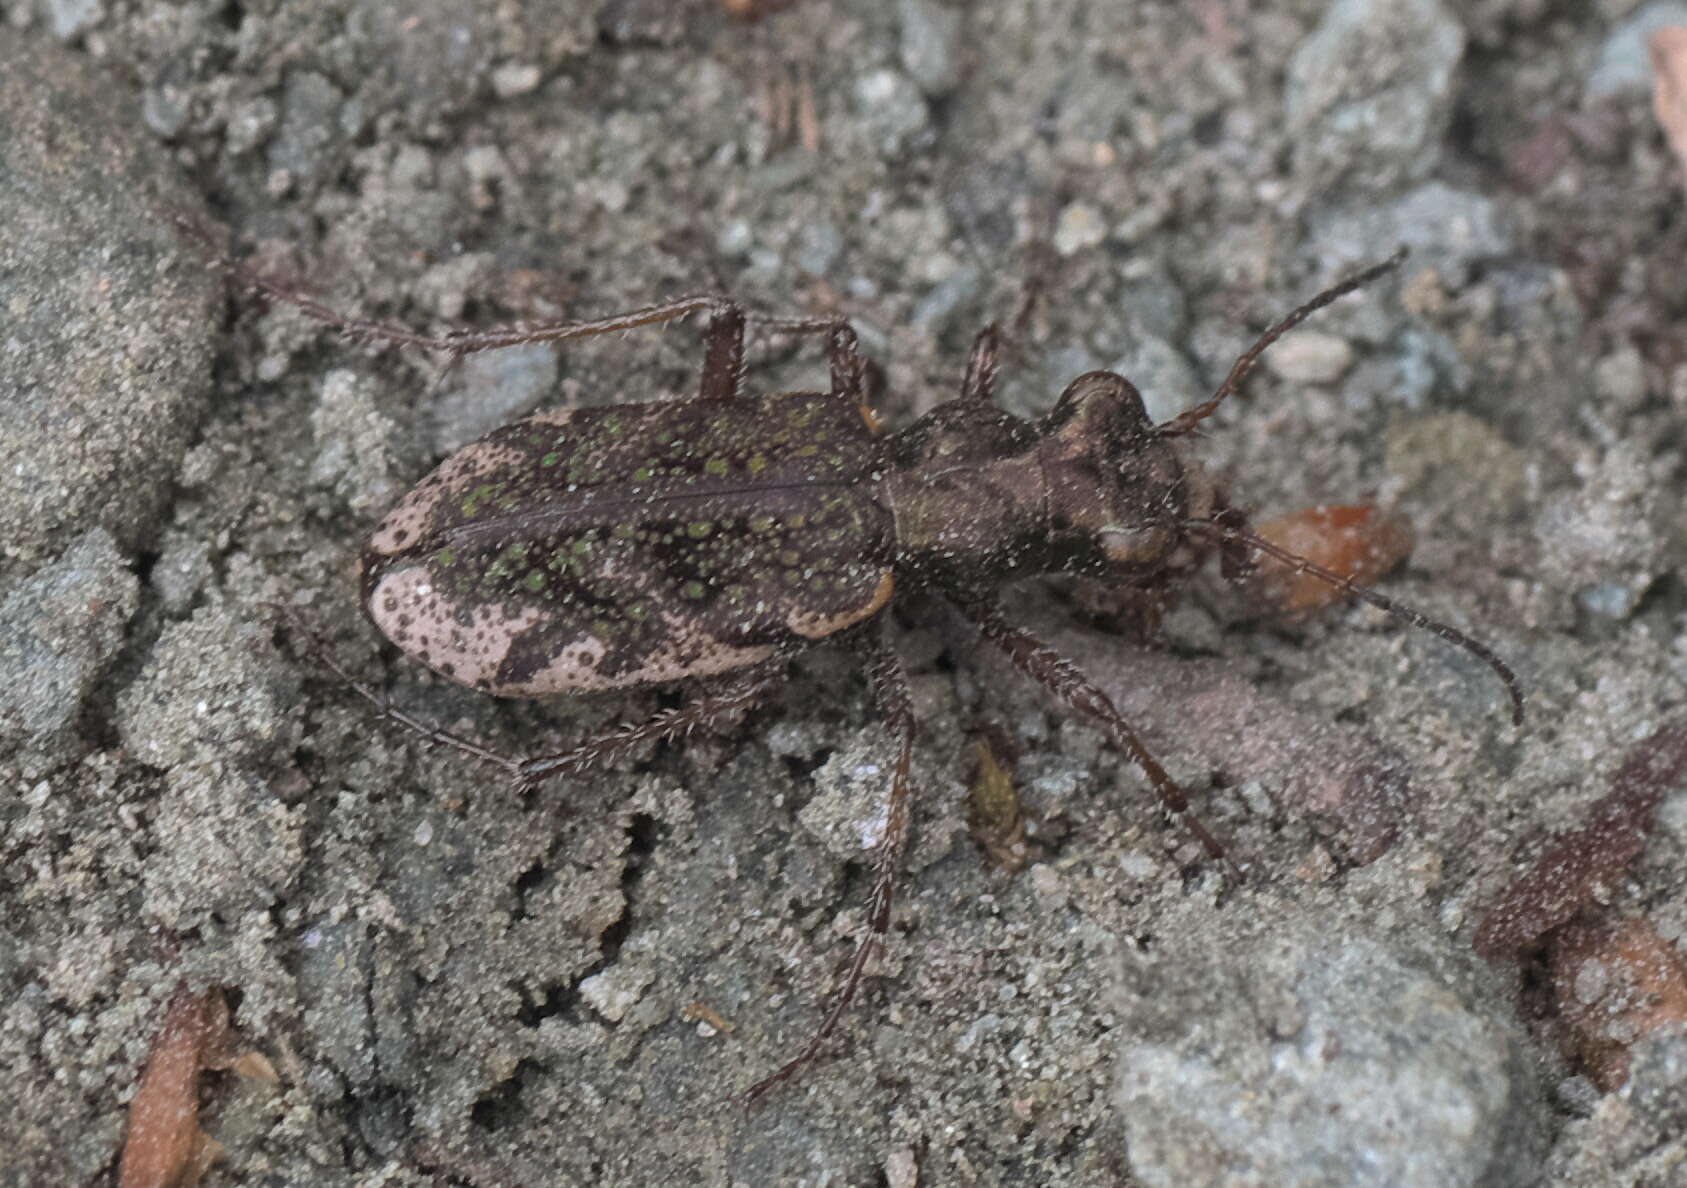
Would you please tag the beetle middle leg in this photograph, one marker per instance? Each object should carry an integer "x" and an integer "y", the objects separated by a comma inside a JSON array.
[
  {"x": 1061, "y": 677},
  {"x": 896, "y": 707}
]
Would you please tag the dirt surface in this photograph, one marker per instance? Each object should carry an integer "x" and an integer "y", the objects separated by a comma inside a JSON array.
[{"x": 460, "y": 985}]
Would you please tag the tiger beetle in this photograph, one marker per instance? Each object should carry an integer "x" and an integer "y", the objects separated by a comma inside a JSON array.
[{"x": 704, "y": 541}]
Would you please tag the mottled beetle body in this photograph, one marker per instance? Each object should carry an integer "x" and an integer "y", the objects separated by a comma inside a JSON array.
[
  {"x": 606, "y": 548},
  {"x": 705, "y": 539},
  {"x": 613, "y": 547}
]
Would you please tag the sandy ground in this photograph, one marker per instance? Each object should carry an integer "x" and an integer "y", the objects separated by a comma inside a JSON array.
[{"x": 461, "y": 986}]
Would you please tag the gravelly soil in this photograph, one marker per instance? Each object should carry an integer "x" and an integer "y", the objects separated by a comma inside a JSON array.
[{"x": 458, "y": 985}]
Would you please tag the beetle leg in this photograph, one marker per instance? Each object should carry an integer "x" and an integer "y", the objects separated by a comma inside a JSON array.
[
  {"x": 890, "y": 691},
  {"x": 1061, "y": 677},
  {"x": 735, "y": 695},
  {"x": 712, "y": 710},
  {"x": 982, "y": 365},
  {"x": 463, "y": 342},
  {"x": 723, "y": 364}
]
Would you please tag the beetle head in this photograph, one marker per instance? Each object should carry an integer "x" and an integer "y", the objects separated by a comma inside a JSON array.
[{"x": 1119, "y": 491}]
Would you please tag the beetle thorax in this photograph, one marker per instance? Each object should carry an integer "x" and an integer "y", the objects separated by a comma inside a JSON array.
[{"x": 981, "y": 497}]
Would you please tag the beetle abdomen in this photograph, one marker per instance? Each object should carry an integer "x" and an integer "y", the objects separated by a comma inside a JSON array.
[{"x": 631, "y": 544}]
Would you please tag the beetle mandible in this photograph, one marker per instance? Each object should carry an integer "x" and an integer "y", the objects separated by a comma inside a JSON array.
[{"x": 707, "y": 539}]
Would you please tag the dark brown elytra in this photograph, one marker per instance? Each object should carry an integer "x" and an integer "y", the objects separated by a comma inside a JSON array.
[{"x": 706, "y": 540}]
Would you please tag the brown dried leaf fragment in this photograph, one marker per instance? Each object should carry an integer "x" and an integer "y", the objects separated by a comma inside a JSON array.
[
  {"x": 754, "y": 10},
  {"x": 1669, "y": 89},
  {"x": 165, "y": 1147},
  {"x": 993, "y": 813},
  {"x": 1614, "y": 987},
  {"x": 1356, "y": 541},
  {"x": 1567, "y": 876}
]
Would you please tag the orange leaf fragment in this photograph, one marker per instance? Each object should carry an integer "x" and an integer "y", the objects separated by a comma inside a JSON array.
[
  {"x": 1355, "y": 540},
  {"x": 1668, "y": 48},
  {"x": 753, "y": 10},
  {"x": 1614, "y": 987}
]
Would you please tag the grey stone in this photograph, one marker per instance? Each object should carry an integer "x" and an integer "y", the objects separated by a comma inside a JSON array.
[
  {"x": 1370, "y": 91},
  {"x": 310, "y": 108},
  {"x": 493, "y": 388},
  {"x": 893, "y": 112},
  {"x": 59, "y": 630},
  {"x": 1303, "y": 1051},
  {"x": 1163, "y": 374},
  {"x": 1310, "y": 357},
  {"x": 105, "y": 346},
  {"x": 1624, "y": 64},
  {"x": 930, "y": 45},
  {"x": 1444, "y": 228},
  {"x": 1608, "y": 538},
  {"x": 69, "y": 19}
]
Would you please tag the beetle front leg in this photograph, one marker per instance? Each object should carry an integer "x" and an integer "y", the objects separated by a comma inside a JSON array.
[
  {"x": 890, "y": 691},
  {"x": 1061, "y": 677}
]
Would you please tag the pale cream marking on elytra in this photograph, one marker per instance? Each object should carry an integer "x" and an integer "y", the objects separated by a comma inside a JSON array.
[
  {"x": 413, "y": 614},
  {"x": 812, "y": 625},
  {"x": 682, "y": 654},
  {"x": 553, "y": 416},
  {"x": 453, "y": 478}
]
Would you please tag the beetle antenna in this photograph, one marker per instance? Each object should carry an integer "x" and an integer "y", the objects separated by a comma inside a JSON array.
[
  {"x": 1186, "y": 421},
  {"x": 1406, "y": 614}
]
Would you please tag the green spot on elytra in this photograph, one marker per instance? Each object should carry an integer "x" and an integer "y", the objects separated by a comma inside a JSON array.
[
  {"x": 445, "y": 557},
  {"x": 789, "y": 557},
  {"x": 692, "y": 589},
  {"x": 535, "y": 580},
  {"x": 715, "y": 466},
  {"x": 757, "y": 463},
  {"x": 761, "y": 523},
  {"x": 638, "y": 612},
  {"x": 807, "y": 451},
  {"x": 642, "y": 474},
  {"x": 699, "y": 529},
  {"x": 481, "y": 494},
  {"x": 581, "y": 547},
  {"x": 550, "y": 459},
  {"x": 625, "y": 530}
]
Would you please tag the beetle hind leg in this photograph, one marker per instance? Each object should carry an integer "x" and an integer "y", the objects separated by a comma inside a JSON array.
[
  {"x": 890, "y": 691},
  {"x": 731, "y": 698}
]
